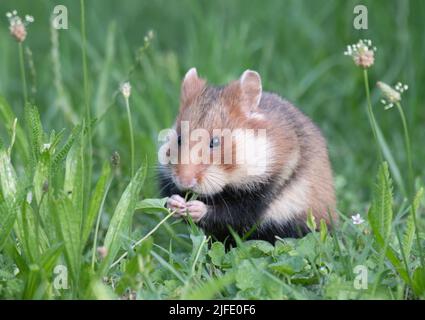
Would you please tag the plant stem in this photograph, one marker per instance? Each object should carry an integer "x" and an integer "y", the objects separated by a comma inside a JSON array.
[
  {"x": 96, "y": 232},
  {"x": 130, "y": 126},
  {"x": 142, "y": 239},
  {"x": 408, "y": 148},
  {"x": 371, "y": 116},
  {"x": 23, "y": 76},
  {"x": 86, "y": 91},
  {"x": 411, "y": 178}
]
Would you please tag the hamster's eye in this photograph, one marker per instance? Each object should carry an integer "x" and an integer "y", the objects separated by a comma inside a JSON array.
[
  {"x": 215, "y": 142},
  {"x": 179, "y": 140}
]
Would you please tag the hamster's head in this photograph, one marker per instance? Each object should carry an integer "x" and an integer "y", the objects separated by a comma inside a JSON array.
[{"x": 219, "y": 138}]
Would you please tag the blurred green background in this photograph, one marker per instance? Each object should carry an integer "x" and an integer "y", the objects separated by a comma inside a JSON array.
[{"x": 296, "y": 46}]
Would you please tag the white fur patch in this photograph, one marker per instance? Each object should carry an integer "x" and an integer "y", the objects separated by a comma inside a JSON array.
[
  {"x": 214, "y": 180},
  {"x": 292, "y": 202},
  {"x": 253, "y": 154}
]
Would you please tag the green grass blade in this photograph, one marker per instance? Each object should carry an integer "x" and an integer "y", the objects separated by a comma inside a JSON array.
[
  {"x": 74, "y": 178},
  {"x": 8, "y": 179},
  {"x": 409, "y": 233},
  {"x": 69, "y": 228},
  {"x": 122, "y": 217},
  {"x": 381, "y": 211},
  {"x": 8, "y": 116},
  {"x": 35, "y": 131},
  {"x": 96, "y": 202},
  {"x": 7, "y": 220}
]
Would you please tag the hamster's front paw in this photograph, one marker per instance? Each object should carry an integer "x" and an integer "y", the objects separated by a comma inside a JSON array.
[
  {"x": 178, "y": 204},
  {"x": 196, "y": 209}
]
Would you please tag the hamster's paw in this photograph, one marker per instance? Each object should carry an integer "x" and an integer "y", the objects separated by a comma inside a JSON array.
[
  {"x": 196, "y": 209},
  {"x": 178, "y": 204}
]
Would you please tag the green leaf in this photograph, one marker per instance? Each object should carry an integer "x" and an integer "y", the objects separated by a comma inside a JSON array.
[
  {"x": 69, "y": 228},
  {"x": 209, "y": 289},
  {"x": 7, "y": 220},
  {"x": 381, "y": 212},
  {"x": 418, "y": 280},
  {"x": 32, "y": 282},
  {"x": 63, "y": 151},
  {"x": 74, "y": 180},
  {"x": 380, "y": 218},
  {"x": 8, "y": 179},
  {"x": 199, "y": 249},
  {"x": 49, "y": 258},
  {"x": 122, "y": 217},
  {"x": 217, "y": 253},
  {"x": 247, "y": 275},
  {"x": 258, "y": 248},
  {"x": 409, "y": 233},
  {"x": 288, "y": 265},
  {"x": 96, "y": 202},
  {"x": 311, "y": 221},
  {"x": 41, "y": 175},
  {"x": 151, "y": 206},
  {"x": 35, "y": 130},
  {"x": 7, "y": 116},
  {"x": 323, "y": 230}
]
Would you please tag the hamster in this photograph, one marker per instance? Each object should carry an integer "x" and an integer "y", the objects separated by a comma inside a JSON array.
[{"x": 284, "y": 175}]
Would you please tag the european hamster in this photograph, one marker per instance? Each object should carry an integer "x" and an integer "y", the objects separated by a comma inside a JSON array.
[{"x": 284, "y": 172}]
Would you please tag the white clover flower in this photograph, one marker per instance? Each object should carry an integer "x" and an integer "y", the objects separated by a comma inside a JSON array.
[
  {"x": 391, "y": 95},
  {"x": 18, "y": 26},
  {"x": 357, "y": 219},
  {"x": 362, "y": 53},
  {"x": 126, "y": 89}
]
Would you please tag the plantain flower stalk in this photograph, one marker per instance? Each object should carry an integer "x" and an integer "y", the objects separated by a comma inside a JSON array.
[
  {"x": 363, "y": 55},
  {"x": 126, "y": 92},
  {"x": 18, "y": 30}
]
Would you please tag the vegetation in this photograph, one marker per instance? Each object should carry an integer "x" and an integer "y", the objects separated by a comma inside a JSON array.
[{"x": 80, "y": 215}]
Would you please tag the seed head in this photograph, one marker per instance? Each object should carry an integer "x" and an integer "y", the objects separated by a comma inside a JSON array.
[
  {"x": 362, "y": 53},
  {"x": 126, "y": 89},
  {"x": 391, "y": 95},
  {"x": 18, "y": 26},
  {"x": 115, "y": 159},
  {"x": 102, "y": 252}
]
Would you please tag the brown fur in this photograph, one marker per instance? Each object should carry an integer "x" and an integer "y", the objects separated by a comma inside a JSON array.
[{"x": 299, "y": 152}]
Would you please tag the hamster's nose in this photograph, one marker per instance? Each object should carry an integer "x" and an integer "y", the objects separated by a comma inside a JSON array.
[{"x": 187, "y": 182}]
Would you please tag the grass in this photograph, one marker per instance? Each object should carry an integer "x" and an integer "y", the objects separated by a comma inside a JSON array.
[{"x": 62, "y": 204}]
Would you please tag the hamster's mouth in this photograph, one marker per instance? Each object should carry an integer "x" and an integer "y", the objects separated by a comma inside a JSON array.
[{"x": 202, "y": 189}]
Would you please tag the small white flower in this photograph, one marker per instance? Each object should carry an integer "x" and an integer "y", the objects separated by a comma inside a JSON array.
[
  {"x": 357, "y": 219},
  {"x": 29, "y": 18},
  {"x": 45, "y": 147},
  {"x": 126, "y": 89}
]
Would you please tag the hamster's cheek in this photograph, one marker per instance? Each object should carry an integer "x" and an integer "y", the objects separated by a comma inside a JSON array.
[{"x": 214, "y": 179}]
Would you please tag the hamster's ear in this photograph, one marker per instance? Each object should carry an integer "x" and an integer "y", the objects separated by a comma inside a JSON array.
[
  {"x": 191, "y": 87},
  {"x": 250, "y": 84}
]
